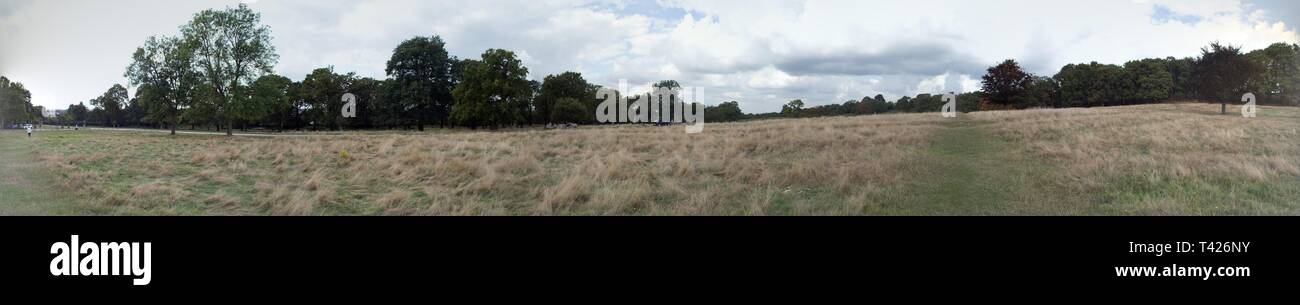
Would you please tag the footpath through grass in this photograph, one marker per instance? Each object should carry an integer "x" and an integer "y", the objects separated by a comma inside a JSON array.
[
  {"x": 26, "y": 187},
  {"x": 969, "y": 171}
]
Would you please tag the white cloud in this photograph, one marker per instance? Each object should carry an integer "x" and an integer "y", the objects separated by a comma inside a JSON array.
[{"x": 770, "y": 78}]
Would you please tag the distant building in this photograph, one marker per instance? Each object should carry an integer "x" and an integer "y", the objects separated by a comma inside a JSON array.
[{"x": 51, "y": 113}]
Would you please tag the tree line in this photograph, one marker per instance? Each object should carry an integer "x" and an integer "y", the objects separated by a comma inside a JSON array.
[
  {"x": 1222, "y": 73},
  {"x": 218, "y": 74}
]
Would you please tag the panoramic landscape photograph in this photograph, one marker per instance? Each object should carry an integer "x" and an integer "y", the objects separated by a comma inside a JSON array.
[{"x": 650, "y": 108}]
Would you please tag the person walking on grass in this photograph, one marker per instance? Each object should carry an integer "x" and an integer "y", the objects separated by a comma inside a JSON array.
[{"x": 29, "y": 130}]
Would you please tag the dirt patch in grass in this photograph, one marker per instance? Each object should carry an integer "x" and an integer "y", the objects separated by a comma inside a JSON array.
[{"x": 967, "y": 170}]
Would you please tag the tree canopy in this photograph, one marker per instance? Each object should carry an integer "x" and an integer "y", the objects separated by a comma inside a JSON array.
[
  {"x": 163, "y": 70},
  {"x": 1223, "y": 73},
  {"x": 495, "y": 92},
  {"x": 15, "y": 102},
  {"x": 424, "y": 75},
  {"x": 566, "y": 85},
  {"x": 111, "y": 103},
  {"x": 1006, "y": 83},
  {"x": 231, "y": 50}
]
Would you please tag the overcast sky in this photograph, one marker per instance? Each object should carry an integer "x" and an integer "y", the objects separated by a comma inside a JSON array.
[{"x": 761, "y": 53}]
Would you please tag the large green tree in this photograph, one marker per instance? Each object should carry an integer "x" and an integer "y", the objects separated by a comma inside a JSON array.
[
  {"x": 565, "y": 85},
  {"x": 15, "y": 102},
  {"x": 1279, "y": 79},
  {"x": 274, "y": 95},
  {"x": 112, "y": 103},
  {"x": 388, "y": 109},
  {"x": 231, "y": 50},
  {"x": 905, "y": 104},
  {"x": 1006, "y": 83},
  {"x": 1092, "y": 84},
  {"x": 1149, "y": 80},
  {"x": 568, "y": 110},
  {"x": 1042, "y": 92},
  {"x": 424, "y": 75},
  {"x": 164, "y": 74},
  {"x": 1112, "y": 87},
  {"x": 1223, "y": 73},
  {"x": 367, "y": 91},
  {"x": 322, "y": 90},
  {"x": 872, "y": 105},
  {"x": 724, "y": 112},
  {"x": 1180, "y": 70},
  {"x": 494, "y": 92},
  {"x": 792, "y": 109},
  {"x": 78, "y": 113},
  {"x": 134, "y": 113}
]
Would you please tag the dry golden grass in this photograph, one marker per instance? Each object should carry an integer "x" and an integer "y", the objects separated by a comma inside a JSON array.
[
  {"x": 806, "y": 166},
  {"x": 1182, "y": 159}
]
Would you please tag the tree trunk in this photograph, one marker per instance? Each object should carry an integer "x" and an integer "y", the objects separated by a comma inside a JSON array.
[{"x": 1223, "y": 108}]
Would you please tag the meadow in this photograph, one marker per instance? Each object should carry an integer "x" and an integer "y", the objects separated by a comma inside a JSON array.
[{"x": 1162, "y": 159}]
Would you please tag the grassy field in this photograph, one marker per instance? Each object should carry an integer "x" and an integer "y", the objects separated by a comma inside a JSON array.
[
  {"x": 27, "y": 187},
  {"x": 1170, "y": 159}
]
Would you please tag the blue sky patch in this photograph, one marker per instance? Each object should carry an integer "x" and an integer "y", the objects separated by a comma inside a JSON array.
[{"x": 1163, "y": 14}]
